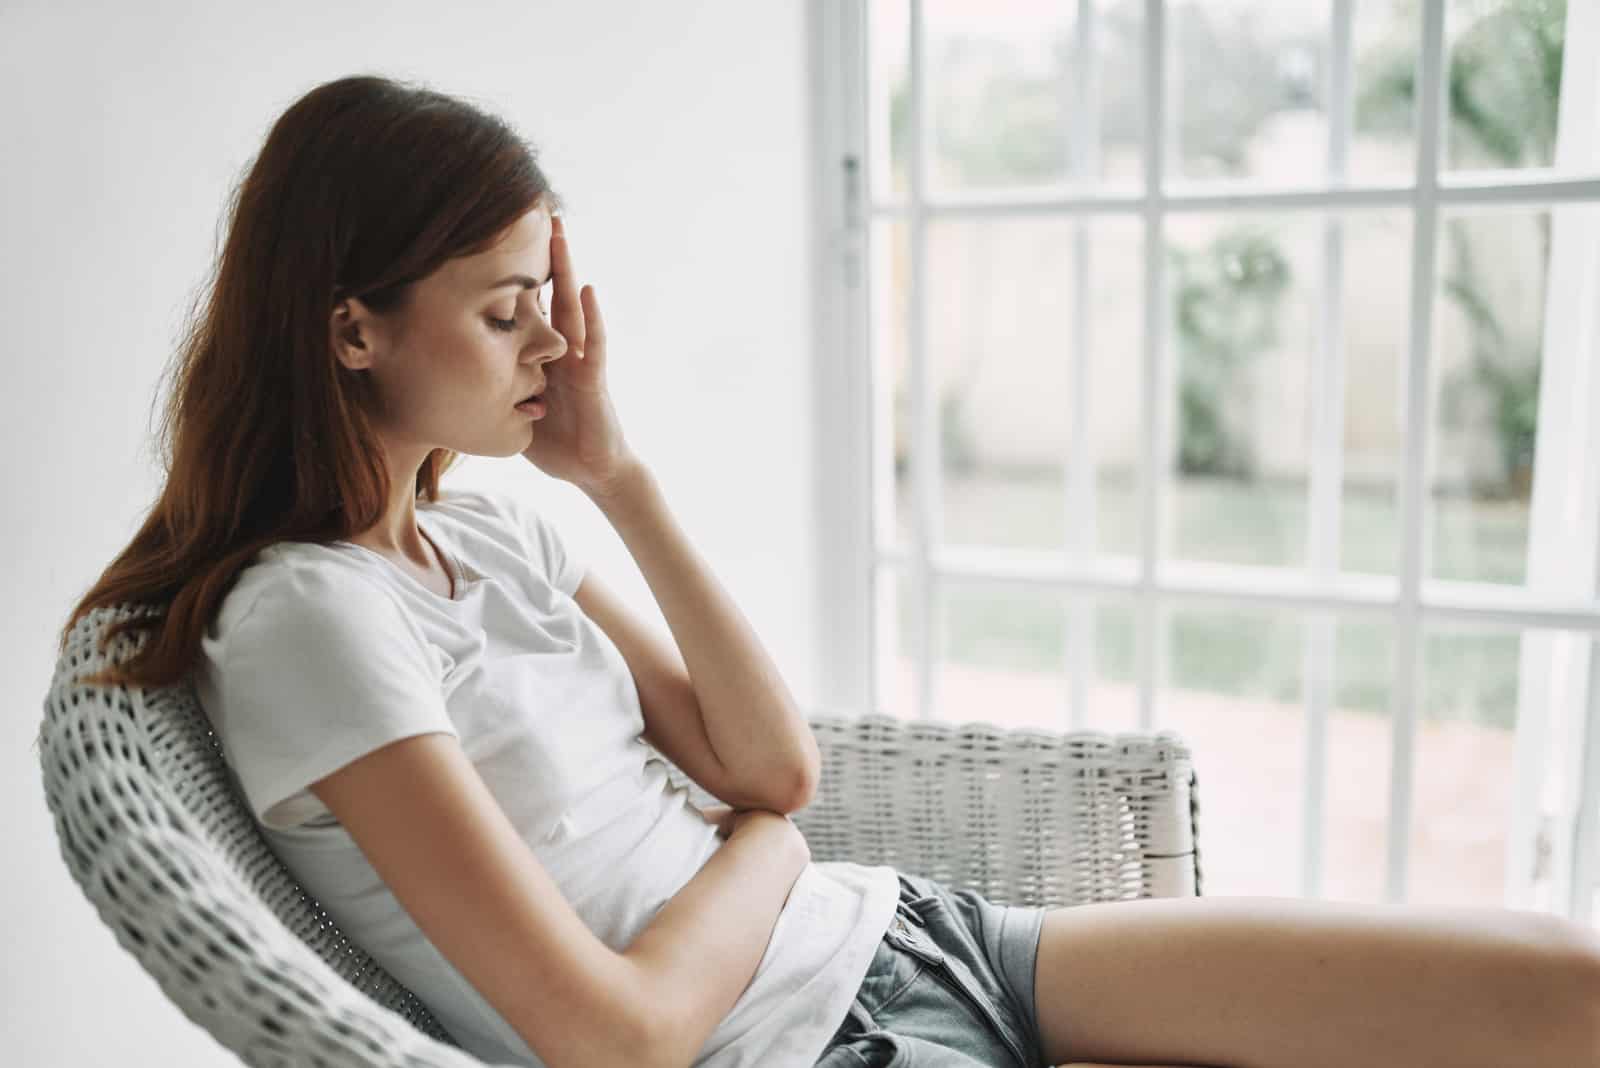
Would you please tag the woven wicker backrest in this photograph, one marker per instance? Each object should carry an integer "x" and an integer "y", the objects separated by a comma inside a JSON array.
[
  {"x": 1025, "y": 817},
  {"x": 153, "y": 826}
]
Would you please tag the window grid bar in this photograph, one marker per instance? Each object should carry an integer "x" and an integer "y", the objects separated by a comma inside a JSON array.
[
  {"x": 884, "y": 584},
  {"x": 1553, "y": 699},
  {"x": 1080, "y": 503},
  {"x": 1080, "y": 498},
  {"x": 1578, "y": 143},
  {"x": 924, "y": 413},
  {"x": 847, "y": 679},
  {"x": 1414, "y": 603},
  {"x": 1244, "y": 585},
  {"x": 1516, "y": 189},
  {"x": 1585, "y": 845},
  {"x": 1151, "y": 644},
  {"x": 845, "y": 325},
  {"x": 1326, "y": 418},
  {"x": 1414, "y": 510}
]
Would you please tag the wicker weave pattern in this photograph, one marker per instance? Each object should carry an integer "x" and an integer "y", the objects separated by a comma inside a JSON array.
[{"x": 153, "y": 826}]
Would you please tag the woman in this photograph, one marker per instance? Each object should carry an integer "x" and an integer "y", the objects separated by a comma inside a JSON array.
[{"x": 439, "y": 717}]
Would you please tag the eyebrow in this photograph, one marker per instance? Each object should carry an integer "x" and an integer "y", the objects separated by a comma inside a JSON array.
[{"x": 522, "y": 280}]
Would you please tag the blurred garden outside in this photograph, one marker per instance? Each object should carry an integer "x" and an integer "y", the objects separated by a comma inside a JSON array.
[{"x": 1244, "y": 322}]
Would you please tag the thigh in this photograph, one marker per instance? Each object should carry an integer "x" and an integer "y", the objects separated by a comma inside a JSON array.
[{"x": 1251, "y": 981}]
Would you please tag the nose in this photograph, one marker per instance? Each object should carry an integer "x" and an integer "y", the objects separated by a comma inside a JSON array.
[{"x": 551, "y": 345}]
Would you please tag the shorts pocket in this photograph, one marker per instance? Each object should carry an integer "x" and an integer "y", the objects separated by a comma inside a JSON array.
[{"x": 954, "y": 976}]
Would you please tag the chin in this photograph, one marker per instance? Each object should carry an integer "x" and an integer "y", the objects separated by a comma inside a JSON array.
[{"x": 506, "y": 450}]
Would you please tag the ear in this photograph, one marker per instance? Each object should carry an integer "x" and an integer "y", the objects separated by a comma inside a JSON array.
[{"x": 354, "y": 333}]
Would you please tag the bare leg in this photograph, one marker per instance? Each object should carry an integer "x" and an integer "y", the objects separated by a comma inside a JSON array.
[{"x": 1271, "y": 982}]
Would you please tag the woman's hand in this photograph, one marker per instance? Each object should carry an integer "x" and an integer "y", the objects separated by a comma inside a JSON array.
[
  {"x": 726, "y": 817},
  {"x": 579, "y": 440},
  {"x": 783, "y": 834}
]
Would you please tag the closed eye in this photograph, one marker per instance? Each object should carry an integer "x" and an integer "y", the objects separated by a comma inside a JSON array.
[{"x": 508, "y": 325}]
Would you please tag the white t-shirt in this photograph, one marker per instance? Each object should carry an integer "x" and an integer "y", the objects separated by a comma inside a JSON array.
[{"x": 322, "y": 653}]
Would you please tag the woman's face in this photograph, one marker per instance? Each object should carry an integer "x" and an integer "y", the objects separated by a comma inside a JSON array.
[{"x": 450, "y": 366}]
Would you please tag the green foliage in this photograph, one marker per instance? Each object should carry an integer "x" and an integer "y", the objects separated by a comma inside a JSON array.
[
  {"x": 1503, "y": 83},
  {"x": 1227, "y": 298},
  {"x": 1502, "y": 371},
  {"x": 1504, "y": 87}
]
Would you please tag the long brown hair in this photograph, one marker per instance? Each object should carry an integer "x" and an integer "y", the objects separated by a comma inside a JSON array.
[{"x": 364, "y": 186}]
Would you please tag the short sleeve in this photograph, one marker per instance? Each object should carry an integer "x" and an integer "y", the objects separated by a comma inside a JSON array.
[
  {"x": 322, "y": 668},
  {"x": 549, "y": 548}
]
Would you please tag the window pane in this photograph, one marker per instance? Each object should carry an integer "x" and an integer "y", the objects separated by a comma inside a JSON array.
[
  {"x": 1119, "y": 46},
  {"x": 897, "y": 638},
  {"x": 1245, "y": 299},
  {"x": 1002, "y": 656},
  {"x": 1376, "y": 321},
  {"x": 1115, "y": 383},
  {"x": 1001, "y": 91},
  {"x": 1464, "y": 765},
  {"x": 1504, "y": 82},
  {"x": 1488, "y": 344},
  {"x": 1383, "y": 127},
  {"x": 1355, "y": 810},
  {"x": 1249, "y": 79},
  {"x": 1113, "y": 692},
  {"x": 1006, "y": 658},
  {"x": 1000, "y": 337},
  {"x": 888, "y": 42},
  {"x": 1233, "y": 691}
]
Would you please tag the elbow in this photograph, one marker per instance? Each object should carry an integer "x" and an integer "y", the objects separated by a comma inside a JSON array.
[
  {"x": 660, "y": 1042},
  {"x": 650, "y": 1048},
  {"x": 810, "y": 773},
  {"x": 804, "y": 789},
  {"x": 810, "y": 779},
  {"x": 784, "y": 795},
  {"x": 784, "y": 792},
  {"x": 643, "y": 1039}
]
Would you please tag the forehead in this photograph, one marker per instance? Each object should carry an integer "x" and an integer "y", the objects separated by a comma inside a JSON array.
[{"x": 523, "y": 248}]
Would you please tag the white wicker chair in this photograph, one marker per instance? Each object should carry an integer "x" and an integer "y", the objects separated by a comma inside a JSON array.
[{"x": 153, "y": 826}]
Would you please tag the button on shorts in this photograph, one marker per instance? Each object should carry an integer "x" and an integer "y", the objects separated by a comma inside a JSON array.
[{"x": 951, "y": 986}]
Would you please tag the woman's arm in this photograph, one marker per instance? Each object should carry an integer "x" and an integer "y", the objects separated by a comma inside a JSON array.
[
  {"x": 700, "y": 951},
  {"x": 750, "y": 721},
  {"x": 749, "y": 717}
]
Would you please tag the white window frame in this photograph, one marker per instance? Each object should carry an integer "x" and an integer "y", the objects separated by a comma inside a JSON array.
[{"x": 1556, "y": 809}]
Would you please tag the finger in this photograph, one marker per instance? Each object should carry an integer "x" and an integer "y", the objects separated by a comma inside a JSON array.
[
  {"x": 566, "y": 315},
  {"x": 595, "y": 329}
]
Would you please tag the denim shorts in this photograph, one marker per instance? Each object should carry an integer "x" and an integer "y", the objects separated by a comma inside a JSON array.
[{"x": 951, "y": 986}]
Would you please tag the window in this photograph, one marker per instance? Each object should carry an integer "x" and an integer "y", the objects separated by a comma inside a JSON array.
[{"x": 1233, "y": 367}]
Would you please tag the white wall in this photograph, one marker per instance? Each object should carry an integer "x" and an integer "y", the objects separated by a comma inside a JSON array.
[{"x": 678, "y": 134}]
